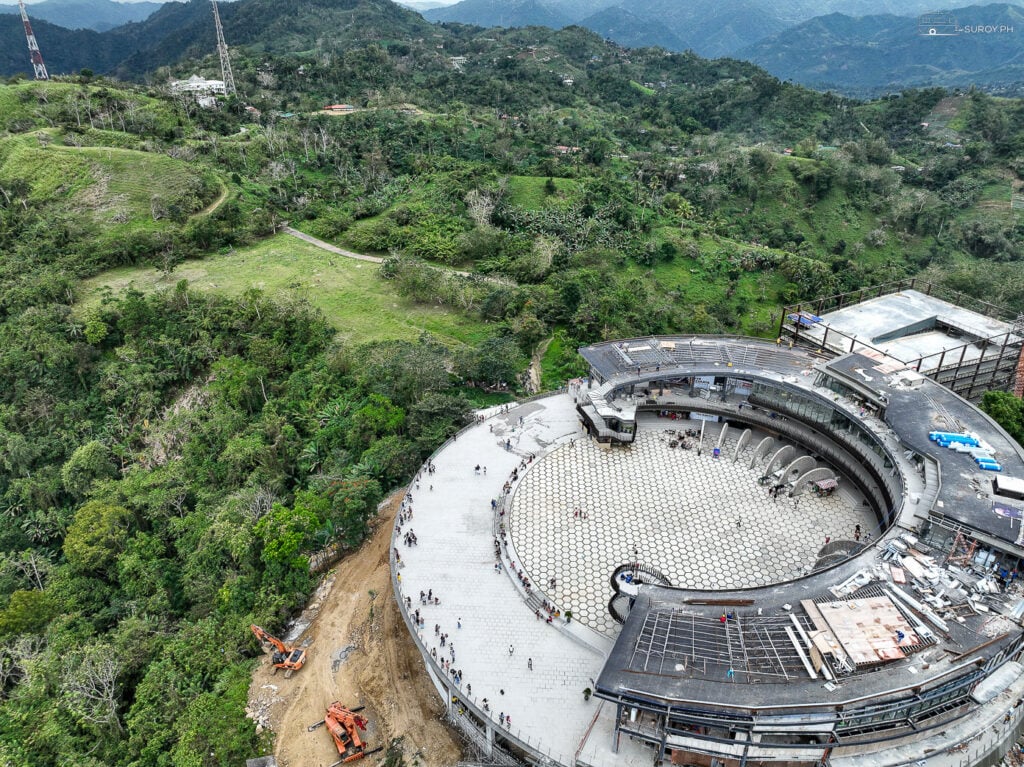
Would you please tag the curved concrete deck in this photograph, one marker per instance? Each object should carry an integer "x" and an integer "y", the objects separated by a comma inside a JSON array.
[{"x": 525, "y": 668}]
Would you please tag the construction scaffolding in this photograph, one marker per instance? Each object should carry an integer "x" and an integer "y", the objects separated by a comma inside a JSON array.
[
  {"x": 742, "y": 649},
  {"x": 962, "y": 551}
]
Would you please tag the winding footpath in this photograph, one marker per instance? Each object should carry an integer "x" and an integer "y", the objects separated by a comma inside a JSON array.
[{"x": 377, "y": 259}]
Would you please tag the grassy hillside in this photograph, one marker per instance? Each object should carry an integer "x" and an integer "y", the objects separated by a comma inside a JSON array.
[
  {"x": 360, "y": 305},
  {"x": 83, "y": 107},
  {"x": 109, "y": 191}
]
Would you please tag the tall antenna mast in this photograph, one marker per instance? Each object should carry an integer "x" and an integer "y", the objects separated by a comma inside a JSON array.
[
  {"x": 33, "y": 47},
  {"x": 222, "y": 49}
]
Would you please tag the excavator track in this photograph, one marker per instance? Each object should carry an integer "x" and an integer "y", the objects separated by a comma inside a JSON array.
[
  {"x": 357, "y": 755},
  {"x": 344, "y": 726}
]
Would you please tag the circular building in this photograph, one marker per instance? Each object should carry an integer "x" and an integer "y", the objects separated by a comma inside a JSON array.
[{"x": 719, "y": 550}]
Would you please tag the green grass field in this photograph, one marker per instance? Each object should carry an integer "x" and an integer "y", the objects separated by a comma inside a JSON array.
[
  {"x": 528, "y": 191},
  {"x": 360, "y": 305},
  {"x": 49, "y": 172}
]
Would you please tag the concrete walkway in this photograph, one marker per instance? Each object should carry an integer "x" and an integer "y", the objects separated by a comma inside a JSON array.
[
  {"x": 500, "y": 636},
  {"x": 536, "y": 672}
]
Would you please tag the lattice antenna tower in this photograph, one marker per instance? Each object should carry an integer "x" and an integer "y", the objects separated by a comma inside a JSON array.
[
  {"x": 33, "y": 47},
  {"x": 222, "y": 49}
]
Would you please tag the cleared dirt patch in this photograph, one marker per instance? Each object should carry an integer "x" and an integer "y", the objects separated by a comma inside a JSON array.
[{"x": 361, "y": 654}]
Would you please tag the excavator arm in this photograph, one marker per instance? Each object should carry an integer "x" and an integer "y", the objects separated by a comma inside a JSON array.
[{"x": 266, "y": 638}]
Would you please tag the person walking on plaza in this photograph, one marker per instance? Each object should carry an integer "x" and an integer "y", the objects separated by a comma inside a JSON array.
[{"x": 511, "y": 650}]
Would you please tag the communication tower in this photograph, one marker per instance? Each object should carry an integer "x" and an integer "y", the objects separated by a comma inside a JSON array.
[
  {"x": 33, "y": 47},
  {"x": 222, "y": 49}
]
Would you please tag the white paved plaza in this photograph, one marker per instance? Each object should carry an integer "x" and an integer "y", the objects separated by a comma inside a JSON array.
[{"x": 582, "y": 510}]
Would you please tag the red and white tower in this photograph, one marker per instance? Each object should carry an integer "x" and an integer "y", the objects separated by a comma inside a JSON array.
[
  {"x": 222, "y": 49},
  {"x": 33, "y": 47}
]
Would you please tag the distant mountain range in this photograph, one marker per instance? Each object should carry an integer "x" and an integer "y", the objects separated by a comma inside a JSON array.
[
  {"x": 99, "y": 15},
  {"x": 858, "y": 55},
  {"x": 976, "y": 45},
  {"x": 179, "y": 30},
  {"x": 711, "y": 28}
]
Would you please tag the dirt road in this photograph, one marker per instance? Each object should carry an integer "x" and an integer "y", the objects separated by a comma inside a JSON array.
[{"x": 361, "y": 654}]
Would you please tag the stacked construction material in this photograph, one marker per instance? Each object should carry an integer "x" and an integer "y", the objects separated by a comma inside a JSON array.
[{"x": 967, "y": 443}]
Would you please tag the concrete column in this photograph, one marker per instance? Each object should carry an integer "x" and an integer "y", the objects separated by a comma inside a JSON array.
[
  {"x": 489, "y": 744},
  {"x": 782, "y": 454},
  {"x": 814, "y": 475},
  {"x": 802, "y": 464}
]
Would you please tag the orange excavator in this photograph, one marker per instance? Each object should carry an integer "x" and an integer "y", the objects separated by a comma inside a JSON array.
[
  {"x": 344, "y": 725},
  {"x": 288, "y": 658}
]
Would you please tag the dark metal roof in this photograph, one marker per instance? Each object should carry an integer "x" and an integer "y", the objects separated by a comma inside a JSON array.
[
  {"x": 912, "y": 412},
  {"x": 615, "y": 358},
  {"x": 674, "y": 651}
]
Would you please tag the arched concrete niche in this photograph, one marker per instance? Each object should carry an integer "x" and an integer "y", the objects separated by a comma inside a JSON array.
[
  {"x": 783, "y": 454},
  {"x": 814, "y": 475},
  {"x": 741, "y": 443},
  {"x": 802, "y": 464},
  {"x": 762, "y": 448},
  {"x": 721, "y": 435}
]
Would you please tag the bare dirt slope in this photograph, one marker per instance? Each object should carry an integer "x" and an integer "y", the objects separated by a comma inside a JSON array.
[{"x": 360, "y": 654}]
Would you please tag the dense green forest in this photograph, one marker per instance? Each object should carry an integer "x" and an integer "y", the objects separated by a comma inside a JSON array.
[{"x": 171, "y": 456}]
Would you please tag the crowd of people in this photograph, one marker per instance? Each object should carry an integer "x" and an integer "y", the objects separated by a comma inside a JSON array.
[{"x": 440, "y": 647}]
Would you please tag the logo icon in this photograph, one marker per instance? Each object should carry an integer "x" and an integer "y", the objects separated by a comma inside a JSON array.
[{"x": 937, "y": 25}]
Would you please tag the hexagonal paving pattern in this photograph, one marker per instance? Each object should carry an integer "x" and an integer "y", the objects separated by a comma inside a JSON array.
[{"x": 582, "y": 510}]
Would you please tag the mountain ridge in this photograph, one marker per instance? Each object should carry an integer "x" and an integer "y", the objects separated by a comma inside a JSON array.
[
  {"x": 97, "y": 15},
  {"x": 868, "y": 54},
  {"x": 709, "y": 28}
]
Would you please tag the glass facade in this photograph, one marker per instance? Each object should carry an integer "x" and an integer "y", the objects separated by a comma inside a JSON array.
[
  {"x": 915, "y": 709},
  {"x": 820, "y": 414}
]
